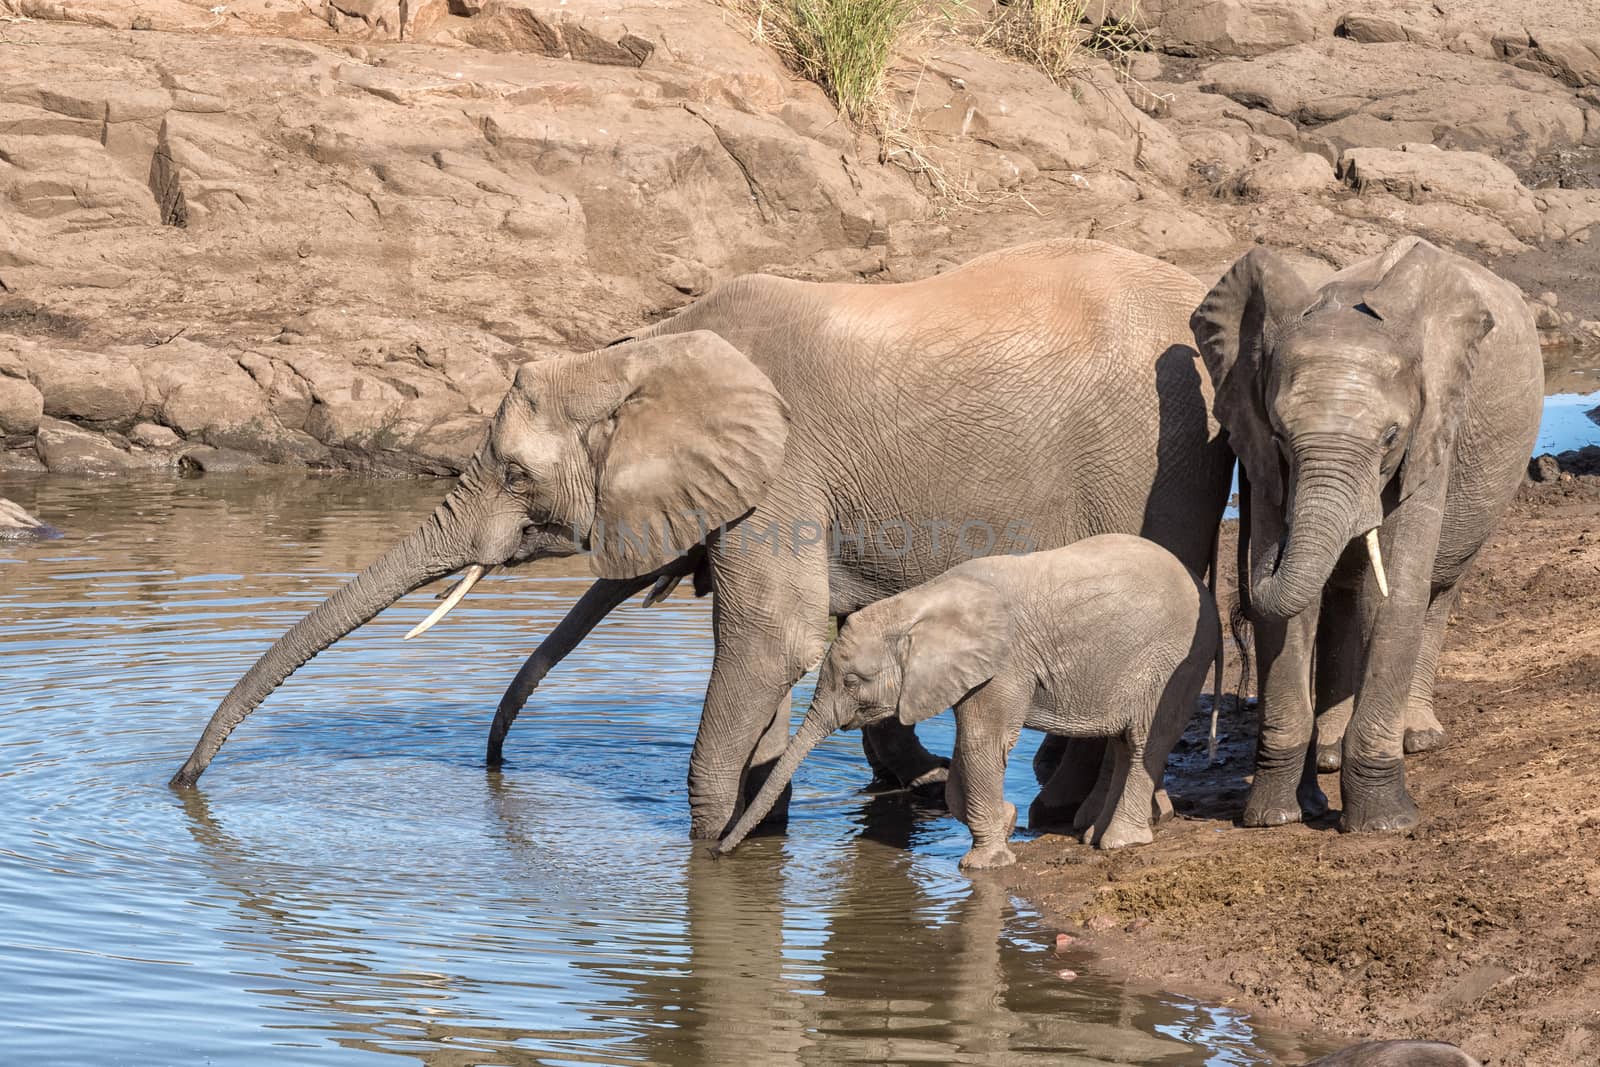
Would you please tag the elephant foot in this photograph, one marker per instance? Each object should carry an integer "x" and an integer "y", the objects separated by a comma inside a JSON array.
[
  {"x": 1375, "y": 799},
  {"x": 1124, "y": 836},
  {"x": 1424, "y": 740},
  {"x": 1271, "y": 815},
  {"x": 1274, "y": 800},
  {"x": 1330, "y": 757},
  {"x": 1048, "y": 818},
  {"x": 981, "y": 859},
  {"x": 1373, "y": 816},
  {"x": 1160, "y": 807}
]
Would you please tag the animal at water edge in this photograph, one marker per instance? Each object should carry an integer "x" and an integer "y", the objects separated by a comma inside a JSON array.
[
  {"x": 1108, "y": 637},
  {"x": 1383, "y": 421},
  {"x": 858, "y": 440},
  {"x": 17, "y": 525},
  {"x": 1397, "y": 1054}
]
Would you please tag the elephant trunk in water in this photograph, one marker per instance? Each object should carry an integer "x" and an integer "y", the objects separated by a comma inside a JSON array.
[
  {"x": 1331, "y": 505},
  {"x": 818, "y": 724},
  {"x": 432, "y": 551}
]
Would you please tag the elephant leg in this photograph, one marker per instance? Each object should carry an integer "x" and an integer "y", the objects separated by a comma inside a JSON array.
[
  {"x": 1129, "y": 823},
  {"x": 955, "y": 790},
  {"x": 1423, "y": 731},
  {"x": 1338, "y": 670},
  {"x": 899, "y": 761},
  {"x": 987, "y": 727},
  {"x": 1067, "y": 769},
  {"x": 1101, "y": 807},
  {"x": 1373, "y": 776},
  {"x": 1285, "y": 788},
  {"x": 597, "y": 602},
  {"x": 1048, "y": 756},
  {"x": 1101, "y": 793},
  {"x": 770, "y": 620}
]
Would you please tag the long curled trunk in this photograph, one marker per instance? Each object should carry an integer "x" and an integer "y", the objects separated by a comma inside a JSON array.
[
  {"x": 817, "y": 725},
  {"x": 429, "y": 553},
  {"x": 1327, "y": 503}
]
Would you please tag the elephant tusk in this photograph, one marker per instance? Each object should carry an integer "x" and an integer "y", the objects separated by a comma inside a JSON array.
[
  {"x": 661, "y": 590},
  {"x": 454, "y": 597},
  {"x": 1376, "y": 555}
]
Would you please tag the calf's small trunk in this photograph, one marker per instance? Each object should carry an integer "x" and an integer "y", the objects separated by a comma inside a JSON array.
[{"x": 817, "y": 725}]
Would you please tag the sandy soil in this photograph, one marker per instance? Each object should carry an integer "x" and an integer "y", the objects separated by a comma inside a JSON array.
[{"x": 1481, "y": 926}]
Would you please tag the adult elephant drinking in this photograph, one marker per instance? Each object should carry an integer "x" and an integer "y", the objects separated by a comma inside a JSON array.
[
  {"x": 1384, "y": 421},
  {"x": 872, "y": 436}
]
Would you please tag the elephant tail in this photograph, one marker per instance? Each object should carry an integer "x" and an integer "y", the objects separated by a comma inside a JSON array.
[
  {"x": 1239, "y": 618},
  {"x": 1216, "y": 672}
]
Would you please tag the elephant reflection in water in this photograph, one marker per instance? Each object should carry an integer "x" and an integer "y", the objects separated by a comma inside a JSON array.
[{"x": 903, "y": 972}]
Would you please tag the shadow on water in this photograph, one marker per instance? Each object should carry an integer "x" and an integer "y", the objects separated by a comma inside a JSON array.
[{"x": 350, "y": 884}]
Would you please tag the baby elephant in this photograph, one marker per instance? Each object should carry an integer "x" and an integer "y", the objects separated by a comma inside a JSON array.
[{"x": 1108, "y": 637}]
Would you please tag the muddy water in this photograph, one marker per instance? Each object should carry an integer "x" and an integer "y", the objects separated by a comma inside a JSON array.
[{"x": 351, "y": 885}]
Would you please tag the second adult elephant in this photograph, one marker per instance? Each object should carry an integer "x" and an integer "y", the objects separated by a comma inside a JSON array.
[
  {"x": 1385, "y": 421},
  {"x": 873, "y": 436}
]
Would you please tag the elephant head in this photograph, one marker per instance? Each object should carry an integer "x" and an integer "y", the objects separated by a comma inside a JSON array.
[
  {"x": 910, "y": 657},
  {"x": 1335, "y": 397},
  {"x": 630, "y": 453}
]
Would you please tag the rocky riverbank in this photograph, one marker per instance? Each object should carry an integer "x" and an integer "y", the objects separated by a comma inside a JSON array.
[{"x": 324, "y": 235}]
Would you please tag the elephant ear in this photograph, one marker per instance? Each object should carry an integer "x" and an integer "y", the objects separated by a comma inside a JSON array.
[
  {"x": 1234, "y": 327},
  {"x": 690, "y": 436},
  {"x": 1428, "y": 299},
  {"x": 955, "y": 642}
]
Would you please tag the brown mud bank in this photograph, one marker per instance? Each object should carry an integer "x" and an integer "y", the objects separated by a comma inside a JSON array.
[{"x": 1482, "y": 925}]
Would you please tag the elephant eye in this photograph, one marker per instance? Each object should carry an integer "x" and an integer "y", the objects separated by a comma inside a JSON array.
[
  {"x": 518, "y": 480},
  {"x": 1391, "y": 435}
]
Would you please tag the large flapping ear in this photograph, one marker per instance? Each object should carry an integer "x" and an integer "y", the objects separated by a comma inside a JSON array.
[
  {"x": 1430, "y": 301},
  {"x": 955, "y": 641},
  {"x": 1234, "y": 328},
  {"x": 695, "y": 434}
]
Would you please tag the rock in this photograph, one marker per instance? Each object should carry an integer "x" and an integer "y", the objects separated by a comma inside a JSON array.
[
  {"x": 1371, "y": 29},
  {"x": 1572, "y": 60},
  {"x": 66, "y": 449},
  {"x": 203, "y": 394},
  {"x": 1218, "y": 27},
  {"x": 21, "y": 404},
  {"x": 1385, "y": 95},
  {"x": 1422, "y": 173},
  {"x": 1286, "y": 174},
  {"x": 96, "y": 387},
  {"x": 204, "y": 458},
  {"x": 17, "y": 524},
  {"x": 17, "y": 461},
  {"x": 1567, "y": 212},
  {"x": 151, "y": 435}
]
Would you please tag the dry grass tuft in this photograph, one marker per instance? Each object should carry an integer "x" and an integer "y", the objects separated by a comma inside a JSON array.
[
  {"x": 1057, "y": 37},
  {"x": 845, "y": 46}
]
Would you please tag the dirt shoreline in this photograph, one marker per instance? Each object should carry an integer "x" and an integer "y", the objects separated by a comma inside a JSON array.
[{"x": 1481, "y": 926}]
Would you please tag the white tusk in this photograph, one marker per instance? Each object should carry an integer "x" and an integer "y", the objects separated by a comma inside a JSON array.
[
  {"x": 662, "y": 589},
  {"x": 1376, "y": 555},
  {"x": 462, "y": 588}
]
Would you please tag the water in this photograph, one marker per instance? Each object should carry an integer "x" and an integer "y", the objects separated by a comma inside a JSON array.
[{"x": 351, "y": 886}]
